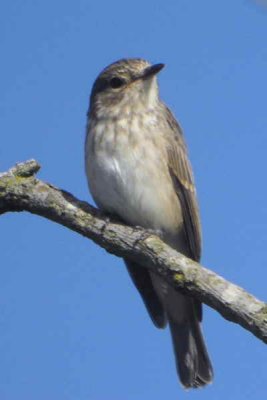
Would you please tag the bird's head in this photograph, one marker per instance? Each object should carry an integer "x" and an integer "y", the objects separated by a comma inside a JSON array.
[{"x": 126, "y": 86}]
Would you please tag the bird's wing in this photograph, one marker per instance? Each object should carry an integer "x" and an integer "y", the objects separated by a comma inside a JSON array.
[
  {"x": 181, "y": 172},
  {"x": 142, "y": 281}
]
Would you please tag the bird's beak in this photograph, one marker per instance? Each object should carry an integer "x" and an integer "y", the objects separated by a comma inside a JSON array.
[{"x": 152, "y": 70}]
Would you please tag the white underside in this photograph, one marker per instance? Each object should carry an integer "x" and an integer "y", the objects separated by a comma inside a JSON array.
[{"x": 127, "y": 176}]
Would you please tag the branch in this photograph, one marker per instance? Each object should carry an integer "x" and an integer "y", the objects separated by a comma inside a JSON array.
[{"x": 21, "y": 191}]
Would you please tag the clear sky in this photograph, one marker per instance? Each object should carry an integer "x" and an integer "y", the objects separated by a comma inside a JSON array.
[{"x": 71, "y": 324}]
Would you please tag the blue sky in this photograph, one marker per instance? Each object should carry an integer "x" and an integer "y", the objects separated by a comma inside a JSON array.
[{"x": 71, "y": 324}]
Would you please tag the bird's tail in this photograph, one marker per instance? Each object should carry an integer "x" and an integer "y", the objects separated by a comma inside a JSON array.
[{"x": 192, "y": 359}]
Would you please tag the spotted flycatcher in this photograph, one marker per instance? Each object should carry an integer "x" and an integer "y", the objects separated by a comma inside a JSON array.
[{"x": 138, "y": 169}]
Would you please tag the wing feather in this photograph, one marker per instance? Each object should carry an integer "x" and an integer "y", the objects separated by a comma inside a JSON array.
[{"x": 182, "y": 175}]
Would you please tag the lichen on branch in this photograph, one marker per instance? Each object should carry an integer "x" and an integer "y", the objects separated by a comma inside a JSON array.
[{"x": 20, "y": 190}]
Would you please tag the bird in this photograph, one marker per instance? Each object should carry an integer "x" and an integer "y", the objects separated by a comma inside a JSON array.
[{"x": 138, "y": 170}]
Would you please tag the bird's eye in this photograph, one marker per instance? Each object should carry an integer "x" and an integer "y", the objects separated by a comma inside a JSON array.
[{"x": 116, "y": 83}]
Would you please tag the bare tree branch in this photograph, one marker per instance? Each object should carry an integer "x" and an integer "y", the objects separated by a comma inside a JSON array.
[{"x": 21, "y": 191}]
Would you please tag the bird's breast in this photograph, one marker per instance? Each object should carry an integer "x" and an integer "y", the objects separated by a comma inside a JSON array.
[{"x": 127, "y": 171}]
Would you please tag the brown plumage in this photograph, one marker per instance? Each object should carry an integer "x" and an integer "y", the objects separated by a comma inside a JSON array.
[{"x": 138, "y": 168}]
